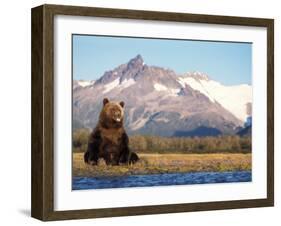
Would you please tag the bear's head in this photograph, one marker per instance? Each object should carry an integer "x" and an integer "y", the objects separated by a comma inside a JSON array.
[{"x": 112, "y": 114}]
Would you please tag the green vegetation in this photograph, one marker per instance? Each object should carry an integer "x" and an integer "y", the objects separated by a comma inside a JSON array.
[
  {"x": 184, "y": 145},
  {"x": 169, "y": 154},
  {"x": 165, "y": 163},
  {"x": 80, "y": 140}
]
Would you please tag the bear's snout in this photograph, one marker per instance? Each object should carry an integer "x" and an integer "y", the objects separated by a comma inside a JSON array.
[{"x": 117, "y": 116}]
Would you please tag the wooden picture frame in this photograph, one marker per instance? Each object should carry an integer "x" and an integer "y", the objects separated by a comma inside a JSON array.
[{"x": 42, "y": 203}]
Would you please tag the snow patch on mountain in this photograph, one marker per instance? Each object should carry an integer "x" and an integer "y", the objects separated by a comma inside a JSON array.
[
  {"x": 170, "y": 91},
  {"x": 110, "y": 86},
  {"x": 159, "y": 87},
  {"x": 84, "y": 83},
  {"x": 116, "y": 84},
  {"x": 165, "y": 120},
  {"x": 127, "y": 83},
  {"x": 139, "y": 123}
]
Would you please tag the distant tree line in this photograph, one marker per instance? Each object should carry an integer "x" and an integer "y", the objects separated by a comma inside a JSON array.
[
  {"x": 191, "y": 145},
  {"x": 157, "y": 144},
  {"x": 80, "y": 139}
]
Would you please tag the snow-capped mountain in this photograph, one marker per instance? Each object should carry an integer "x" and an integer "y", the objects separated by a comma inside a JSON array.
[
  {"x": 160, "y": 102},
  {"x": 233, "y": 98}
]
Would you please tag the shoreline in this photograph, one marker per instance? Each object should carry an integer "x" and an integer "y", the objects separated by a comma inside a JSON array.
[
  {"x": 157, "y": 174},
  {"x": 165, "y": 163}
]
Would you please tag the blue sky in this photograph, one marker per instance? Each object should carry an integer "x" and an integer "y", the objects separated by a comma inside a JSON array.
[{"x": 227, "y": 62}]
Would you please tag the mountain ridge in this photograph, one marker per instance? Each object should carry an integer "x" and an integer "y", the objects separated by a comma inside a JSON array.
[{"x": 184, "y": 102}]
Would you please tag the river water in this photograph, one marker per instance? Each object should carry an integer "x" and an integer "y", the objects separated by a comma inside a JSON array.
[{"x": 80, "y": 183}]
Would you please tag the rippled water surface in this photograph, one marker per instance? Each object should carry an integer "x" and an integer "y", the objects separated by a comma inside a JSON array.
[{"x": 80, "y": 183}]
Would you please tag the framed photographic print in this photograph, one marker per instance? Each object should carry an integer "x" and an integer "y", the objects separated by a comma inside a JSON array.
[{"x": 141, "y": 112}]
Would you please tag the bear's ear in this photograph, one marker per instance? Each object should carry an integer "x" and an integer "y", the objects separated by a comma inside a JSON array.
[
  {"x": 105, "y": 101},
  {"x": 122, "y": 104}
]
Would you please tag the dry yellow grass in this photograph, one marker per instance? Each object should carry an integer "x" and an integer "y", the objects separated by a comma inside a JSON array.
[{"x": 165, "y": 163}]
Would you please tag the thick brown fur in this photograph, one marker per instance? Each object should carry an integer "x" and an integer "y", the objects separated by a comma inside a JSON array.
[{"x": 109, "y": 140}]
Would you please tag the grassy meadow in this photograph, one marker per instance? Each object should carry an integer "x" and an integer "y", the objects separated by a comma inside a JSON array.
[
  {"x": 170, "y": 155},
  {"x": 165, "y": 163}
]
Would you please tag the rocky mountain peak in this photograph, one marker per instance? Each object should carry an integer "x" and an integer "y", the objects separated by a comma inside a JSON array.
[
  {"x": 136, "y": 62},
  {"x": 124, "y": 71},
  {"x": 197, "y": 75},
  {"x": 107, "y": 77}
]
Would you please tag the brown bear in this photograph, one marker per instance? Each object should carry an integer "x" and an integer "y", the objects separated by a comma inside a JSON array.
[{"x": 109, "y": 140}]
